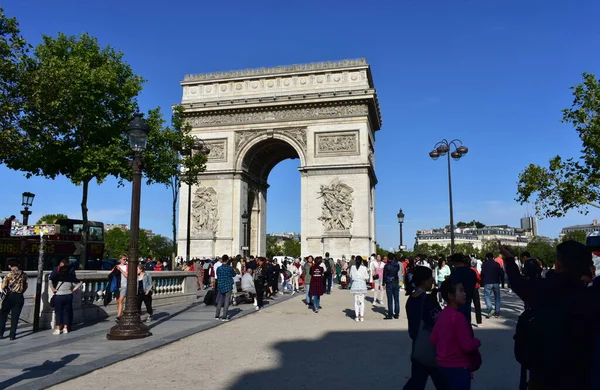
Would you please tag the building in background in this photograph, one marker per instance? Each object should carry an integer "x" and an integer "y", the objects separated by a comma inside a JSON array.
[
  {"x": 529, "y": 223},
  {"x": 283, "y": 237},
  {"x": 589, "y": 228},
  {"x": 476, "y": 236},
  {"x": 122, "y": 226}
]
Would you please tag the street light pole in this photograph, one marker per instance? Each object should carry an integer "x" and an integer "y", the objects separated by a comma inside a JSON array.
[
  {"x": 245, "y": 240},
  {"x": 440, "y": 149},
  {"x": 130, "y": 326},
  {"x": 26, "y": 202},
  {"x": 400, "y": 216}
]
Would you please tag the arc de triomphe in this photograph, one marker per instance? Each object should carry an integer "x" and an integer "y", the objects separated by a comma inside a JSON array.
[{"x": 325, "y": 114}]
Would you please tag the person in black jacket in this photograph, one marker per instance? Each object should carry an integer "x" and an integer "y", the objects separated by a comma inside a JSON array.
[
  {"x": 391, "y": 282},
  {"x": 464, "y": 274},
  {"x": 491, "y": 276}
]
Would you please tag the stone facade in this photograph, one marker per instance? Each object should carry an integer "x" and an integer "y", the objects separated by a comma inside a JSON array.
[{"x": 323, "y": 114}]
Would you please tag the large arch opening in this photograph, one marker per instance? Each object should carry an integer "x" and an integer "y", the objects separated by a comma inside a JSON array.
[{"x": 271, "y": 165}]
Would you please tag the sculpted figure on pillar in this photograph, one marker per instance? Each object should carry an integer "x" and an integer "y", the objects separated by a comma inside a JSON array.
[
  {"x": 336, "y": 210},
  {"x": 205, "y": 211}
]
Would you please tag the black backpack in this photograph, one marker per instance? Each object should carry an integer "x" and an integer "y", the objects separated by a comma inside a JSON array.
[
  {"x": 327, "y": 266},
  {"x": 540, "y": 342}
]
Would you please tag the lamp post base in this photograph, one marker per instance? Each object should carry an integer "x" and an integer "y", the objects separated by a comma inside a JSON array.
[{"x": 129, "y": 327}]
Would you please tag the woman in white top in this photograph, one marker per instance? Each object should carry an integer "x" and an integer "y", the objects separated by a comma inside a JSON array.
[
  {"x": 360, "y": 276},
  {"x": 376, "y": 277}
]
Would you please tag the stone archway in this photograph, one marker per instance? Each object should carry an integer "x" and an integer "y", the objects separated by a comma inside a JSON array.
[{"x": 324, "y": 114}]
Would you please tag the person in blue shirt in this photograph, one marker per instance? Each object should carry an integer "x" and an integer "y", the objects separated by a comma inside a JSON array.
[{"x": 225, "y": 276}]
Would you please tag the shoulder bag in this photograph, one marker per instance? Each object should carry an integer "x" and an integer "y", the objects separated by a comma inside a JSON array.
[
  {"x": 54, "y": 294},
  {"x": 423, "y": 351}
]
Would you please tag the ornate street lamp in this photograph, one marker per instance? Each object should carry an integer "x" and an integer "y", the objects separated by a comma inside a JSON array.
[
  {"x": 130, "y": 326},
  {"x": 26, "y": 202},
  {"x": 245, "y": 241},
  {"x": 439, "y": 150},
  {"x": 400, "y": 222},
  {"x": 201, "y": 147}
]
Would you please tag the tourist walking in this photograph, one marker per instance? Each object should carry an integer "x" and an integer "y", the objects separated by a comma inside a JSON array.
[
  {"x": 329, "y": 270},
  {"x": 260, "y": 281},
  {"x": 224, "y": 276},
  {"x": 144, "y": 292},
  {"x": 476, "y": 297},
  {"x": 13, "y": 285},
  {"x": 466, "y": 276},
  {"x": 295, "y": 270},
  {"x": 422, "y": 310},
  {"x": 377, "y": 280},
  {"x": 63, "y": 283},
  {"x": 441, "y": 274},
  {"x": 457, "y": 350},
  {"x": 317, "y": 285},
  {"x": 391, "y": 281},
  {"x": 359, "y": 277},
  {"x": 491, "y": 276},
  {"x": 122, "y": 268},
  {"x": 306, "y": 276}
]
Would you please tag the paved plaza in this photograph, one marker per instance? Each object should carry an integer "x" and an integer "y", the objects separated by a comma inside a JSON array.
[{"x": 287, "y": 346}]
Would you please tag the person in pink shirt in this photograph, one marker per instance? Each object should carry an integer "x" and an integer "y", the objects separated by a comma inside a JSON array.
[{"x": 453, "y": 338}]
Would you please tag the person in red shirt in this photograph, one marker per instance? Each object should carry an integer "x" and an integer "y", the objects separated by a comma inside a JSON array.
[
  {"x": 476, "y": 300},
  {"x": 500, "y": 261},
  {"x": 158, "y": 266}
]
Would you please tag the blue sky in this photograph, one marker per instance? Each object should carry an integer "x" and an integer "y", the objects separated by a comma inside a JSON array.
[{"x": 495, "y": 74}]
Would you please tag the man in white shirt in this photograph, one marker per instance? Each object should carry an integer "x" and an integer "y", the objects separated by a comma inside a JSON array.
[{"x": 216, "y": 267}]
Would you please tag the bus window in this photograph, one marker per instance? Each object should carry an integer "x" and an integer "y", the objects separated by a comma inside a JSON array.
[{"x": 95, "y": 233}]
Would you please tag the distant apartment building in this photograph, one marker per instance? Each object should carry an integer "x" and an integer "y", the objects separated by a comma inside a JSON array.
[
  {"x": 121, "y": 226},
  {"x": 529, "y": 223},
  {"x": 475, "y": 236},
  {"x": 589, "y": 228},
  {"x": 283, "y": 237}
]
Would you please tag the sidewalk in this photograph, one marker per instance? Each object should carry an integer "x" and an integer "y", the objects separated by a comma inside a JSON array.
[{"x": 40, "y": 360}]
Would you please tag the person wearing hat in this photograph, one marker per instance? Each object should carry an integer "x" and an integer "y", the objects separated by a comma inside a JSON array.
[{"x": 568, "y": 351}]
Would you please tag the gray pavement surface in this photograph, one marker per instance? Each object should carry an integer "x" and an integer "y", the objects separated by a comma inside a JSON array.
[
  {"x": 287, "y": 346},
  {"x": 39, "y": 360}
]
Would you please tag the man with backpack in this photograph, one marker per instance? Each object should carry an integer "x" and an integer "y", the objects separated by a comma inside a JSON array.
[
  {"x": 554, "y": 339},
  {"x": 329, "y": 267}
]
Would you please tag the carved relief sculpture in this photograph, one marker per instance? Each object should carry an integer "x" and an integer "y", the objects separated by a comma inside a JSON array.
[
  {"x": 332, "y": 144},
  {"x": 336, "y": 210},
  {"x": 218, "y": 150},
  {"x": 205, "y": 211}
]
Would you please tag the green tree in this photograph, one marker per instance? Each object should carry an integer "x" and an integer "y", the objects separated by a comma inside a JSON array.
[
  {"x": 168, "y": 147},
  {"x": 14, "y": 60},
  {"x": 273, "y": 247},
  {"x": 160, "y": 246},
  {"x": 291, "y": 248},
  {"x": 78, "y": 100},
  {"x": 116, "y": 242},
  {"x": 541, "y": 250},
  {"x": 578, "y": 236},
  {"x": 466, "y": 249},
  {"x": 473, "y": 223},
  {"x": 51, "y": 218},
  {"x": 572, "y": 183}
]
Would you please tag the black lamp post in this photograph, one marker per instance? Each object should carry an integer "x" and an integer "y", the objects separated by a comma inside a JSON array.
[
  {"x": 441, "y": 149},
  {"x": 202, "y": 148},
  {"x": 130, "y": 326},
  {"x": 245, "y": 241},
  {"x": 400, "y": 222},
  {"x": 26, "y": 202}
]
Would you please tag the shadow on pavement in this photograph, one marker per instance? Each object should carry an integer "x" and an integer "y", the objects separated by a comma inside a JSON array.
[
  {"x": 47, "y": 368},
  {"x": 371, "y": 359}
]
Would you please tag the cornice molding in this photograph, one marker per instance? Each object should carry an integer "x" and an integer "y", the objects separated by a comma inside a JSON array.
[{"x": 311, "y": 67}]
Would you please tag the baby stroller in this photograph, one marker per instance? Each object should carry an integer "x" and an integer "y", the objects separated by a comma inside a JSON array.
[{"x": 344, "y": 279}]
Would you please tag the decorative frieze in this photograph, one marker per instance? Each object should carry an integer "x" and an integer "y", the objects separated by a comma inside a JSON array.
[
  {"x": 337, "y": 143},
  {"x": 279, "y": 115},
  {"x": 218, "y": 150},
  {"x": 205, "y": 211}
]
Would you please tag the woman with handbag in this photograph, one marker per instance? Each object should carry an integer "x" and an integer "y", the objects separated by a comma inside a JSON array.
[
  {"x": 377, "y": 279},
  {"x": 359, "y": 278},
  {"x": 422, "y": 311},
  {"x": 13, "y": 285},
  {"x": 63, "y": 283},
  {"x": 457, "y": 350}
]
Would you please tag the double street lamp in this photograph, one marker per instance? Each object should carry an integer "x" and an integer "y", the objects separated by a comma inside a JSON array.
[
  {"x": 201, "y": 147},
  {"x": 130, "y": 326},
  {"x": 400, "y": 222},
  {"x": 441, "y": 149}
]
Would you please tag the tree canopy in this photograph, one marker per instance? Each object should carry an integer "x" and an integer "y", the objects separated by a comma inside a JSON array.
[
  {"x": 291, "y": 248},
  {"x": 578, "y": 235},
  {"x": 51, "y": 218},
  {"x": 571, "y": 183},
  {"x": 473, "y": 223}
]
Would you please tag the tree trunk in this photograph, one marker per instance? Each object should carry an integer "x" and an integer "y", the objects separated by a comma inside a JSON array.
[
  {"x": 84, "y": 232},
  {"x": 175, "y": 185}
]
